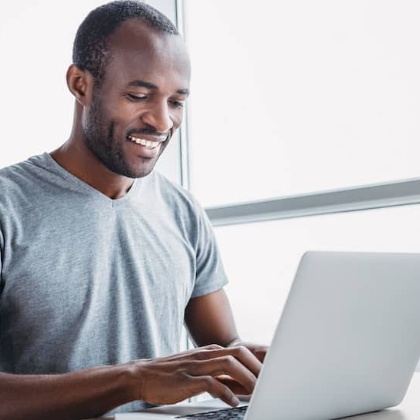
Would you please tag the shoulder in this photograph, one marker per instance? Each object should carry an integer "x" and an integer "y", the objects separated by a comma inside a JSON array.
[
  {"x": 24, "y": 179},
  {"x": 14, "y": 176},
  {"x": 22, "y": 172}
]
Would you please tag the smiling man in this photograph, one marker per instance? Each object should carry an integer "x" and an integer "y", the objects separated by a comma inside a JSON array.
[
  {"x": 126, "y": 115},
  {"x": 103, "y": 259}
]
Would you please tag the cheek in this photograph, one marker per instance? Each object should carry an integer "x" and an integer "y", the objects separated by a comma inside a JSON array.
[
  {"x": 177, "y": 118},
  {"x": 117, "y": 113},
  {"x": 120, "y": 117}
]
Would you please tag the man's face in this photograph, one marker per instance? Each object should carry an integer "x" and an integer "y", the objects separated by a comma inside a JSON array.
[{"x": 139, "y": 104}]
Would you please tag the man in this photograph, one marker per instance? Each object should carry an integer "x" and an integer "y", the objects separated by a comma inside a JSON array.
[{"x": 103, "y": 259}]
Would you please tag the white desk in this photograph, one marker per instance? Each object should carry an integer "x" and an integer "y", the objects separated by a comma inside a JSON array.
[{"x": 409, "y": 409}]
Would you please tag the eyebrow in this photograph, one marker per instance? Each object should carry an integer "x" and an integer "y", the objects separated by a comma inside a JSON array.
[{"x": 152, "y": 86}]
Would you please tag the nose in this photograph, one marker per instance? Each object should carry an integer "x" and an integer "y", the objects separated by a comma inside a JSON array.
[{"x": 159, "y": 117}]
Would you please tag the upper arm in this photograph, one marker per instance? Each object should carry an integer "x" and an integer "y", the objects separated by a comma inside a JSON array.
[{"x": 209, "y": 319}]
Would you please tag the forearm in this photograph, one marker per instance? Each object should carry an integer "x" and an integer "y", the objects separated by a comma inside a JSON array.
[
  {"x": 72, "y": 396},
  {"x": 162, "y": 380},
  {"x": 210, "y": 320}
]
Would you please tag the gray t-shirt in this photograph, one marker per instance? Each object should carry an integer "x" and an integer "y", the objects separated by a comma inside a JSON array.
[{"x": 87, "y": 280}]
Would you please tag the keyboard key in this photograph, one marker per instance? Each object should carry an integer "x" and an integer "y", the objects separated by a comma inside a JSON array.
[{"x": 236, "y": 413}]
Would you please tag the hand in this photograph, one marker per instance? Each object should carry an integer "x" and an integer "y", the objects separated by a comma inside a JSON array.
[
  {"x": 222, "y": 372},
  {"x": 258, "y": 350}
]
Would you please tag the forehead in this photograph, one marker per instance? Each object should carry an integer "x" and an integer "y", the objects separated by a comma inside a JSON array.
[{"x": 140, "y": 52}]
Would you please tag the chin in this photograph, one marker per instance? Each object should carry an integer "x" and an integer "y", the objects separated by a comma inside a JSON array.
[{"x": 141, "y": 173}]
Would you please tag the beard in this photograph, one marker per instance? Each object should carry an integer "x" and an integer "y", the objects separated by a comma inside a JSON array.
[{"x": 101, "y": 141}]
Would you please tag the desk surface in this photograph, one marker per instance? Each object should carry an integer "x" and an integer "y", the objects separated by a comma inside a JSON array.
[{"x": 409, "y": 409}]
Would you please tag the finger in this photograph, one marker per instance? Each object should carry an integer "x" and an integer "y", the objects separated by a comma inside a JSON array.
[
  {"x": 233, "y": 385},
  {"x": 199, "y": 353},
  {"x": 247, "y": 358},
  {"x": 225, "y": 365},
  {"x": 216, "y": 389},
  {"x": 258, "y": 350},
  {"x": 241, "y": 353}
]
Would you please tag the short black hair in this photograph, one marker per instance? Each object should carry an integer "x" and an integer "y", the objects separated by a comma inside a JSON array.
[{"x": 91, "y": 42}]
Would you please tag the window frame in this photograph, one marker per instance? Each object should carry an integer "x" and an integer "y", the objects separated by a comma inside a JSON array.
[{"x": 363, "y": 197}]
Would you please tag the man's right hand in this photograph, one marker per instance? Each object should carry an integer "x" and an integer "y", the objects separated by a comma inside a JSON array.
[{"x": 222, "y": 372}]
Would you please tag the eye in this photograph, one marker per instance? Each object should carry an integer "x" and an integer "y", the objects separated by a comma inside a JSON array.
[
  {"x": 137, "y": 97},
  {"x": 177, "y": 104}
]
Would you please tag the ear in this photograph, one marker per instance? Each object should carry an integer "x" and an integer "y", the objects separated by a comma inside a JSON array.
[{"x": 80, "y": 84}]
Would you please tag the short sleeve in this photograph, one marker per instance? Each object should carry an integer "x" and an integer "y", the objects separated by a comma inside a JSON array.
[{"x": 210, "y": 272}]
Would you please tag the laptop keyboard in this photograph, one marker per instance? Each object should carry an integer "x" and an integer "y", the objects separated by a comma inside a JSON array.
[{"x": 220, "y": 414}]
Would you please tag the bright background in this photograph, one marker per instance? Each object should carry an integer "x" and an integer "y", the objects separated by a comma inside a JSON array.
[{"x": 296, "y": 97}]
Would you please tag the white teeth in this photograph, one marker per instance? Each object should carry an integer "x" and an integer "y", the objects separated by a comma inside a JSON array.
[{"x": 146, "y": 143}]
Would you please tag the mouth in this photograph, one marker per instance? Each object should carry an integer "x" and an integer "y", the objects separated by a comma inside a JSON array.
[{"x": 148, "y": 144}]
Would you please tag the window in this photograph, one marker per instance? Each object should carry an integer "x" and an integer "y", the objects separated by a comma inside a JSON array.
[
  {"x": 295, "y": 97},
  {"x": 261, "y": 258},
  {"x": 304, "y": 117}
]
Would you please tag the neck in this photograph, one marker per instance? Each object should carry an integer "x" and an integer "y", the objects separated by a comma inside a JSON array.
[{"x": 88, "y": 169}]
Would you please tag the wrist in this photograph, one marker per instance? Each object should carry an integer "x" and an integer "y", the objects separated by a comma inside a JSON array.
[{"x": 133, "y": 379}]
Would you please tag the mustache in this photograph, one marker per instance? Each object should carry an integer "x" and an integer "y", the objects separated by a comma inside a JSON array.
[{"x": 150, "y": 131}]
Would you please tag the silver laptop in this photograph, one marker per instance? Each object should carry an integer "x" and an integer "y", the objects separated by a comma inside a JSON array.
[{"x": 347, "y": 342}]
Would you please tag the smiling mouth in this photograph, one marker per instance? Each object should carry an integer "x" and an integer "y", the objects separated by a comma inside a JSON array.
[{"x": 148, "y": 144}]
